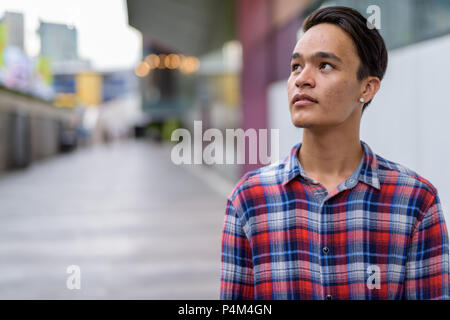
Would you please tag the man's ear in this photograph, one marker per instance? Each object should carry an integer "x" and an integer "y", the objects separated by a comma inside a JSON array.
[{"x": 371, "y": 87}]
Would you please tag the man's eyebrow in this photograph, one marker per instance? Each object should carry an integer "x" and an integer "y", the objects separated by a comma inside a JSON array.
[
  {"x": 319, "y": 54},
  {"x": 296, "y": 55}
]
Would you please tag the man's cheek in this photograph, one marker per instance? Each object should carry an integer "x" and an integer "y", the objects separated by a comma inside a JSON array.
[
  {"x": 339, "y": 93},
  {"x": 333, "y": 96}
]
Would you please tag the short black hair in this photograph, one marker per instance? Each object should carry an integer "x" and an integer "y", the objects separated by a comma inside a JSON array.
[{"x": 368, "y": 41}]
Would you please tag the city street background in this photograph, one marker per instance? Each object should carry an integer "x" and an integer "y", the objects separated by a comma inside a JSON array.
[{"x": 138, "y": 227}]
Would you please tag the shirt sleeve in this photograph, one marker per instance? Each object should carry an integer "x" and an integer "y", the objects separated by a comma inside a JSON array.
[
  {"x": 236, "y": 261},
  {"x": 427, "y": 266}
]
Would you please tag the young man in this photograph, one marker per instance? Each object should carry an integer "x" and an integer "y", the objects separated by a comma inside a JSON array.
[{"x": 334, "y": 220}]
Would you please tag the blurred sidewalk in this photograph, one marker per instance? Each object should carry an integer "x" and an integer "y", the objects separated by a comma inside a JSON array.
[{"x": 138, "y": 226}]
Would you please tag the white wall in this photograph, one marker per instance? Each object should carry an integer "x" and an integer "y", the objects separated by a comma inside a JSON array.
[{"x": 407, "y": 122}]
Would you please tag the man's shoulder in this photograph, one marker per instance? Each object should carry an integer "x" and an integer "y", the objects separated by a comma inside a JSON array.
[
  {"x": 390, "y": 171},
  {"x": 264, "y": 176}
]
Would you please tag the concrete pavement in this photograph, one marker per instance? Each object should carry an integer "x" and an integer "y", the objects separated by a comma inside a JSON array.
[{"x": 138, "y": 227}]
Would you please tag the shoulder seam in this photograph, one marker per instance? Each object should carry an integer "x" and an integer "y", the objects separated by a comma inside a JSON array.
[
  {"x": 413, "y": 175},
  {"x": 250, "y": 174},
  {"x": 239, "y": 216},
  {"x": 433, "y": 203}
]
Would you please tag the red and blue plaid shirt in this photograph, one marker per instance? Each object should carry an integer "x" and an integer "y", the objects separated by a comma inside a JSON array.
[{"x": 380, "y": 234}]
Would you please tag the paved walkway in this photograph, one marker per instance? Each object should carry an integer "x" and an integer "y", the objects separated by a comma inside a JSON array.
[{"x": 138, "y": 227}]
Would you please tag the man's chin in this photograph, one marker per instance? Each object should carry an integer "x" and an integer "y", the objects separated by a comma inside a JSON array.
[
  {"x": 315, "y": 126},
  {"x": 303, "y": 123},
  {"x": 304, "y": 119}
]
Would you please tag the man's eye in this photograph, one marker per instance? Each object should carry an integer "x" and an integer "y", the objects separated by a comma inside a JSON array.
[
  {"x": 330, "y": 67},
  {"x": 295, "y": 66}
]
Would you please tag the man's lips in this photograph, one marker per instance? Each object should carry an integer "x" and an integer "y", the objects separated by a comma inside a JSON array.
[{"x": 303, "y": 100}]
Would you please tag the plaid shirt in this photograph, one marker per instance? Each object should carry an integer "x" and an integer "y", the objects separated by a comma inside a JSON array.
[{"x": 380, "y": 234}]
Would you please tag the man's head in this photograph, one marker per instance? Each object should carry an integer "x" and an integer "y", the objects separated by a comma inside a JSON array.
[{"x": 336, "y": 62}]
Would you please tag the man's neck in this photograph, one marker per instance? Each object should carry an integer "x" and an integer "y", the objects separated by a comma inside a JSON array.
[{"x": 330, "y": 155}]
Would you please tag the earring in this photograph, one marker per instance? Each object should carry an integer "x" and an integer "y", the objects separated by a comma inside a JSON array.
[{"x": 362, "y": 100}]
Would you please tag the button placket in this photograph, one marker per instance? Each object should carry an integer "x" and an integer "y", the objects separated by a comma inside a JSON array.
[{"x": 323, "y": 241}]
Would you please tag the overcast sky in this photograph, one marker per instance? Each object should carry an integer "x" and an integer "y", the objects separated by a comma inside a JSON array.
[{"x": 104, "y": 36}]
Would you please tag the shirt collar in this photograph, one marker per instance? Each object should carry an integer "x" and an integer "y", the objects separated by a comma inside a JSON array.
[{"x": 367, "y": 174}]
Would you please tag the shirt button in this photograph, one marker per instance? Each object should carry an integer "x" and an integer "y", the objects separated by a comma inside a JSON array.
[
  {"x": 329, "y": 297},
  {"x": 351, "y": 180},
  {"x": 325, "y": 250}
]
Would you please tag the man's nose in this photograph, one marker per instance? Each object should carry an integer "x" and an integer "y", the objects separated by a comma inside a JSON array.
[{"x": 305, "y": 78}]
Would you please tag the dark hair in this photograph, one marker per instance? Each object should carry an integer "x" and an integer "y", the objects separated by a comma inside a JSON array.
[{"x": 368, "y": 41}]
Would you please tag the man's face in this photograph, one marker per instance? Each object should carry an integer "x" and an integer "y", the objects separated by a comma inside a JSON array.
[{"x": 324, "y": 66}]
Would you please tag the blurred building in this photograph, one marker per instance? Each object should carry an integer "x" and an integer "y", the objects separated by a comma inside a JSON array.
[
  {"x": 91, "y": 88},
  {"x": 14, "y": 24},
  {"x": 118, "y": 84},
  {"x": 18, "y": 71},
  {"x": 189, "y": 28},
  {"x": 59, "y": 46},
  {"x": 59, "y": 42}
]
